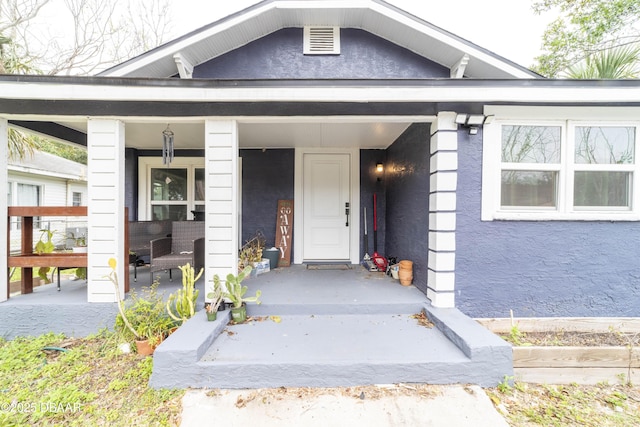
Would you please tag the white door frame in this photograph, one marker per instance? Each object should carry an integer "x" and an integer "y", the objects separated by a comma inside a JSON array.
[{"x": 298, "y": 205}]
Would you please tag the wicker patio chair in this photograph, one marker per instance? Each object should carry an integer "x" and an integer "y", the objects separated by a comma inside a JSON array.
[
  {"x": 141, "y": 233},
  {"x": 186, "y": 245}
]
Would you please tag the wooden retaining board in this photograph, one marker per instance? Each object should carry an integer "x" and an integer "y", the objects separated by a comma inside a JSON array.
[
  {"x": 586, "y": 376},
  {"x": 568, "y": 364},
  {"x": 575, "y": 357}
]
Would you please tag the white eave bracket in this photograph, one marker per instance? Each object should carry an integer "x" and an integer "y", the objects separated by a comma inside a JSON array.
[
  {"x": 457, "y": 71},
  {"x": 185, "y": 68}
]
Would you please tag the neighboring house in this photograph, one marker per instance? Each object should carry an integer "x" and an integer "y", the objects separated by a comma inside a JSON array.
[
  {"x": 507, "y": 190},
  {"x": 44, "y": 179}
]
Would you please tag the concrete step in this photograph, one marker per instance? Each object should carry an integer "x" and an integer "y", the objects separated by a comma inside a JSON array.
[{"x": 329, "y": 351}]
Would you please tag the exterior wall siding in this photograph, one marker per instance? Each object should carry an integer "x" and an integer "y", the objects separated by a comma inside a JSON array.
[
  {"x": 407, "y": 201},
  {"x": 279, "y": 55},
  {"x": 539, "y": 268},
  {"x": 267, "y": 176}
]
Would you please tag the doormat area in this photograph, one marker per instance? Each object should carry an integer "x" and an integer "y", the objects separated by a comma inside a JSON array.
[{"x": 328, "y": 267}]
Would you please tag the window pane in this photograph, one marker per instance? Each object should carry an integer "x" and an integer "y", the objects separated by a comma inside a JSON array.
[
  {"x": 605, "y": 145},
  {"x": 199, "y": 184},
  {"x": 601, "y": 189},
  {"x": 168, "y": 184},
  {"x": 28, "y": 195},
  {"x": 172, "y": 212},
  {"x": 529, "y": 188},
  {"x": 531, "y": 144},
  {"x": 77, "y": 199}
]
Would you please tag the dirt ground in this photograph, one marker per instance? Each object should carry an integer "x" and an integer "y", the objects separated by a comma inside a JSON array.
[{"x": 576, "y": 338}]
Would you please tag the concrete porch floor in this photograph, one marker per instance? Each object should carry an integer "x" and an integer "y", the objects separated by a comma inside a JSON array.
[{"x": 337, "y": 328}]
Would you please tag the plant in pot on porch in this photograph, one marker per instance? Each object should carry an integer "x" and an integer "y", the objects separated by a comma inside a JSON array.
[
  {"x": 251, "y": 252},
  {"x": 215, "y": 298},
  {"x": 79, "y": 242},
  {"x": 235, "y": 293},
  {"x": 181, "y": 305},
  {"x": 145, "y": 319}
]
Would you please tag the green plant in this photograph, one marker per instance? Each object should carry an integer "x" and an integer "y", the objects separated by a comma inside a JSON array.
[
  {"x": 215, "y": 296},
  {"x": 181, "y": 305},
  {"x": 235, "y": 291},
  {"x": 251, "y": 252},
  {"x": 505, "y": 385},
  {"x": 145, "y": 317},
  {"x": 80, "y": 241},
  {"x": 45, "y": 246}
]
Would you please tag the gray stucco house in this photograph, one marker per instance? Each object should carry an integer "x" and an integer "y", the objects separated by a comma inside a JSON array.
[{"x": 506, "y": 189}]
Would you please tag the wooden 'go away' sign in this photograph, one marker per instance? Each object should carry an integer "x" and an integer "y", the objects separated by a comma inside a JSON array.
[{"x": 284, "y": 229}]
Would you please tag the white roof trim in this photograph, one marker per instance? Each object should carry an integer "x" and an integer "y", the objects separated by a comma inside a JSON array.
[
  {"x": 185, "y": 68},
  {"x": 480, "y": 93},
  {"x": 457, "y": 71},
  {"x": 375, "y": 16}
]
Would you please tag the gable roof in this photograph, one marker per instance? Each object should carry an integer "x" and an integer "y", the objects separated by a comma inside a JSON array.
[
  {"x": 375, "y": 16},
  {"x": 50, "y": 165}
]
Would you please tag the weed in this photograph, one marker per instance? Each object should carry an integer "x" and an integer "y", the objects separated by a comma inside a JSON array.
[{"x": 505, "y": 385}]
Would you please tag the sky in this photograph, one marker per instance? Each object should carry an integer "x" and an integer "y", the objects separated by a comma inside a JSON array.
[{"x": 506, "y": 27}]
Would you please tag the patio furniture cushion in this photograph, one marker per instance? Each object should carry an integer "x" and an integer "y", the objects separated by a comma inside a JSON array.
[{"x": 186, "y": 245}]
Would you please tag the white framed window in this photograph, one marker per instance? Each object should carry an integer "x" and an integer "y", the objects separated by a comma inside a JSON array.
[
  {"x": 23, "y": 194},
  {"x": 171, "y": 192},
  {"x": 572, "y": 169}
]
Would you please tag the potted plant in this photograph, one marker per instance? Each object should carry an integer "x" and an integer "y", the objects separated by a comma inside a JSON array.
[
  {"x": 145, "y": 319},
  {"x": 181, "y": 305},
  {"x": 235, "y": 293},
  {"x": 251, "y": 252},
  {"x": 215, "y": 298},
  {"x": 80, "y": 242}
]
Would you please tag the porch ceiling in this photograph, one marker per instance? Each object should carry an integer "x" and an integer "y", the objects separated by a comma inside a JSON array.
[{"x": 190, "y": 135}]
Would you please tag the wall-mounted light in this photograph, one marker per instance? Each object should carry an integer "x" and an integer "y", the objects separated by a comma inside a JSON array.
[
  {"x": 473, "y": 121},
  {"x": 379, "y": 167},
  {"x": 167, "y": 146}
]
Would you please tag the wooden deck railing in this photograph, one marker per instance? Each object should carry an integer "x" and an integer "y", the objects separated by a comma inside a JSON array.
[{"x": 26, "y": 259}]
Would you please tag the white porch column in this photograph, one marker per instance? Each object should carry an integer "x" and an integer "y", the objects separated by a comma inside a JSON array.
[
  {"x": 442, "y": 211},
  {"x": 4, "y": 178},
  {"x": 221, "y": 205},
  {"x": 105, "y": 206}
]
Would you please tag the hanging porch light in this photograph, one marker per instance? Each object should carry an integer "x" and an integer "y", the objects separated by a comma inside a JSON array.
[{"x": 167, "y": 146}]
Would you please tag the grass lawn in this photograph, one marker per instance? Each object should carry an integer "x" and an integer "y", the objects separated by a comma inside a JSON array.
[{"x": 53, "y": 380}]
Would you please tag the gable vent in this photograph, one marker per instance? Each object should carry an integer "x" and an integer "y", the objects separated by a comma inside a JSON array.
[{"x": 321, "y": 40}]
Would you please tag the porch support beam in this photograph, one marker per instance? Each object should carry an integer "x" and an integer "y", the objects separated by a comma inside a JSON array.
[
  {"x": 221, "y": 199},
  {"x": 105, "y": 215},
  {"x": 4, "y": 202},
  {"x": 442, "y": 211}
]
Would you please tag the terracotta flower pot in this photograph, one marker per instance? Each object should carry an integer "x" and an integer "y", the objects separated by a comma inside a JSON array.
[
  {"x": 405, "y": 276},
  {"x": 406, "y": 264},
  {"x": 144, "y": 348}
]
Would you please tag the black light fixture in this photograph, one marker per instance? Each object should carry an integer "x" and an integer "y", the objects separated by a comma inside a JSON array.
[
  {"x": 473, "y": 121},
  {"x": 167, "y": 146}
]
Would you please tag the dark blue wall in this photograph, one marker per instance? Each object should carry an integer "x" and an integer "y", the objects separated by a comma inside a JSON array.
[
  {"x": 545, "y": 268},
  {"x": 279, "y": 55},
  {"x": 407, "y": 200},
  {"x": 372, "y": 183},
  {"x": 267, "y": 176}
]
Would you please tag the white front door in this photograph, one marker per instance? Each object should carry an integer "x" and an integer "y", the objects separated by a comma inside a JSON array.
[{"x": 327, "y": 197}]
